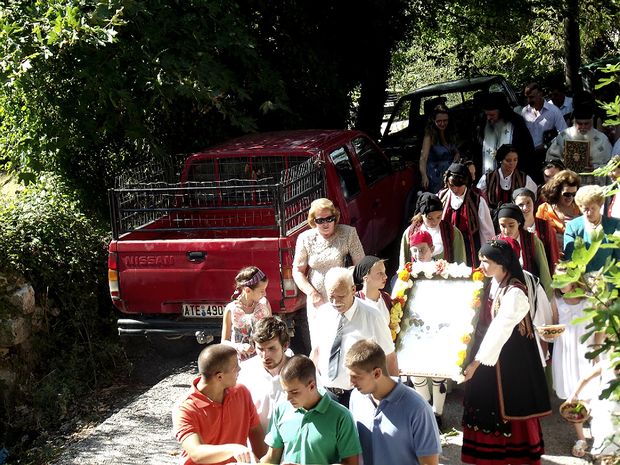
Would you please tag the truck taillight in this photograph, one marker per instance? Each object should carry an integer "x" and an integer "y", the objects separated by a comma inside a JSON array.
[
  {"x": 289, "y": 287},
  {"x": 113, "y": 276}
]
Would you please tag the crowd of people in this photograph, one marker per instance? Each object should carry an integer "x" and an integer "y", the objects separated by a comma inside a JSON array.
[{"x": 254, "y": 400}]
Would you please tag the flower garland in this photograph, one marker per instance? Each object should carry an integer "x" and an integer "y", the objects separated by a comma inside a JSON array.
[
  {"x": 478, "y": 277},
  {"x": 399, "y": 297},
  {"x": 430, "y": 270}
]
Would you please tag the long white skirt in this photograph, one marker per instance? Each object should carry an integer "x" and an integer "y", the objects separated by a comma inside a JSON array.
[{"x": 569, "y": 361}]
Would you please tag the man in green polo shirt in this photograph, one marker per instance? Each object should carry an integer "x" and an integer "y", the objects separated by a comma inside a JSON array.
[{"x": 310, "y": 428}]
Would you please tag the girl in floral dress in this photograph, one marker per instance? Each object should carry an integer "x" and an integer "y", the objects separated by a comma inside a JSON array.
[{"x": 249, "y": 305}]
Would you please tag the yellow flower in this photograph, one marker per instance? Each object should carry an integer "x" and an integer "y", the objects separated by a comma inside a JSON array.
[
  {"x": 394, "y": 335},
  {"x": 403, "y": 275},
  {"x": 460, "y": 357},
  {"x": 466, "y": 339},
  {"x": 477, "y": 275}
]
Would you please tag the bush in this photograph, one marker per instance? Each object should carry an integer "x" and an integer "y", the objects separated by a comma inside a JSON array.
[{"x": 49, "y": 239}]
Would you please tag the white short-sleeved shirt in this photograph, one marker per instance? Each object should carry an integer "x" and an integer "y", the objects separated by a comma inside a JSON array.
[
  {"x": 265, "y": 388},
  {"x": 380, "y": 306},
  {"x": 362, "y": 322}
]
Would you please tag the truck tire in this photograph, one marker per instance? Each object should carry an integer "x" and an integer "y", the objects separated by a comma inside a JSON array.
[{"x": 300, "y": 343}]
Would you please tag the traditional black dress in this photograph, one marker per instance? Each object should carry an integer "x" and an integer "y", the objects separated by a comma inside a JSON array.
[{"x": 503, "y": 402}]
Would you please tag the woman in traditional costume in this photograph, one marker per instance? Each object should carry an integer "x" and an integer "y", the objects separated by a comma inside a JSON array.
[
  {"x": 533, "y": 257},
  {"x": 525, "y": 199},
  {"x": 499, "y": 184},
  {"x": 466, "y": 210},
  {"x": 447, "y": 240},
  {"x": 506, "y": 391}
]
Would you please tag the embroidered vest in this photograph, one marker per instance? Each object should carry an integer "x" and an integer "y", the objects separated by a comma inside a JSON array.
[{"x": 495, "y": 193}]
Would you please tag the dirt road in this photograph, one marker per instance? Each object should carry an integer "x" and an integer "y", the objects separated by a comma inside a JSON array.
[{"x": 141, "y": 432}]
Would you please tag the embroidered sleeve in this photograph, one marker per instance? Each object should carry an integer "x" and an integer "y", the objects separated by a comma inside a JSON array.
[{"x": 513, "y": 308}]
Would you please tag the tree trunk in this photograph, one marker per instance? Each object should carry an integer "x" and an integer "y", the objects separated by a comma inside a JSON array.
[
  {"x": 372, "y": 96},
  {"x": 572, "y": 45}
]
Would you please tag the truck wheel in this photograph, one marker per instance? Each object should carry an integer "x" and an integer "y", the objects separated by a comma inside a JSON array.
[{"x": 300, "y": 343}]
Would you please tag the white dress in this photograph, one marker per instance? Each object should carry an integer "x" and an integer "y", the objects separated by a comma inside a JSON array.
[{"x": 569, "y": 361}]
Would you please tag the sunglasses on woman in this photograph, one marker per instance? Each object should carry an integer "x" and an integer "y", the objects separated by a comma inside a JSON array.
[
  {"x": 327, "y": 219},
  {"x": 568, "y": 194}
]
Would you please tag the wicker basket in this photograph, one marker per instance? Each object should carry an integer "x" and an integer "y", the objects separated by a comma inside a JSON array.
[{"x": 575, "y": 412}]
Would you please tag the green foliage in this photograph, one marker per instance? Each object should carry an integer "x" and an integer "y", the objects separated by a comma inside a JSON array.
[
  {"x": 46, "y": 237},
  {"x": 523, "y": 40},
  {"x": 611, "y": 79},
  {"x": 94, "y": 86}
]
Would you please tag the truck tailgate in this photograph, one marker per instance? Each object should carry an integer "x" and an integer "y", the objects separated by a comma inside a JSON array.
[{"x": 160, "y": 276}]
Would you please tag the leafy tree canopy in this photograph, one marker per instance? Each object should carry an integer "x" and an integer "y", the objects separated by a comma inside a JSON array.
[{"x": 523, "y": 40}]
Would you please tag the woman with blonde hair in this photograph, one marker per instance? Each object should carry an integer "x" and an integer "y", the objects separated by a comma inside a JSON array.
[
  {"x": 324, "y": 246},
  {"x": 590, "y": 201}
]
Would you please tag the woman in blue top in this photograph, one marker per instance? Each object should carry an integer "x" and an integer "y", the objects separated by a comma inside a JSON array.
[
  {"x": 590, "y": 201},
  {"x": 439, "y": 150}
]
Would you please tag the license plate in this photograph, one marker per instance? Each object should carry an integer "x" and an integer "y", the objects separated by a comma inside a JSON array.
[{"x": 203, "y": 310}]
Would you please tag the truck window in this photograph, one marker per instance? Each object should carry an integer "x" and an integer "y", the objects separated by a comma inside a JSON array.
[
  {"x": 261, "y": 169},
  {"x": 401, "y": 118},
  {"x": 374, "y": 164},
  {"x": 344, "y": 168}
]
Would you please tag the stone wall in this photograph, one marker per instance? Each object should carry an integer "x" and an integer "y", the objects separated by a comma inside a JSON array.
[{"x": 20, "y": 317}]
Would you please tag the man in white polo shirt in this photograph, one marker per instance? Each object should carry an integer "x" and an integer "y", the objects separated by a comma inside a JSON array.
[
  {"x": 261, "y": 374},
  {"x": 346, "y": 320}
]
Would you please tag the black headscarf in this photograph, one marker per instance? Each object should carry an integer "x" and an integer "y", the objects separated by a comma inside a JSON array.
[
  {"x": 427, "y": 203},
  {"x": 460, "y": 170},
  {"x": 501, "y": 253},
  {"x": 362, "y": 269},
  {"x": 510, "y": 210},
  {"x": 525, "y": 192}
]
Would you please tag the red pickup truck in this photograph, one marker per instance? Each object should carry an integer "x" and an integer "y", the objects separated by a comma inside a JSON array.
[{"x": 177, "y": 244}]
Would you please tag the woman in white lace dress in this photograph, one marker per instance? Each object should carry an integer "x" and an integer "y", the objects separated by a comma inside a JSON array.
[{"x": 324, "y": 246}]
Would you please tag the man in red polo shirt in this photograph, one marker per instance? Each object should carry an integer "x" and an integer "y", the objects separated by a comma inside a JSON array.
[{"x": 216, "y": 419}]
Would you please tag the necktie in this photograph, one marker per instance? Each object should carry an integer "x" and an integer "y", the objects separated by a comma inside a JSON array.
[{"x": 334, "y": 355}]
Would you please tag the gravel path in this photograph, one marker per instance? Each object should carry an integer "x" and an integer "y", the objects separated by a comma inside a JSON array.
[{"x": 141, "y": 432}]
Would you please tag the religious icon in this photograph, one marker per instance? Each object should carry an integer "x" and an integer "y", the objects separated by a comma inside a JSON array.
[{"x": 577, "y": 155}]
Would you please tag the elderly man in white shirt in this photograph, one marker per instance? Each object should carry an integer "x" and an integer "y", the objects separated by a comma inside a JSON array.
[
  {"x": 261, "y": 374},
  {"x": 540, "y": 116},
  {"x": 346, "y": 320}
]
